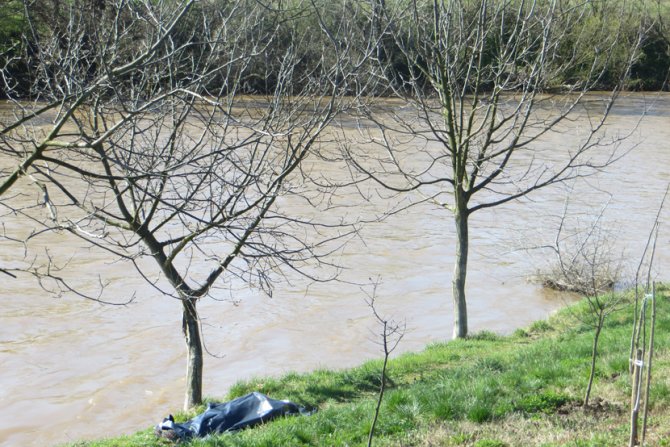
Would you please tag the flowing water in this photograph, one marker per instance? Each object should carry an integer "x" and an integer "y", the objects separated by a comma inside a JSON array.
[{"x": 75, "y": 369}]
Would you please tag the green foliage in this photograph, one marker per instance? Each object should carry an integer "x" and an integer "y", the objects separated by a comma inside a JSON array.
[
  {"x": 292, "y": 26},
  {"x": 520, "y": 333},
  {"x": 651, "y": 69},
  {"x": 545, "y": 402},
  {"x": 12, "y": 23},
  {"x": 490, "y": 364},
  {"x": 540, "y": 326},
  {"x": 485, "y": 335},
  {"x": 489, "y": 443},
  {"x": 461, "y": 438},
  {"x": 12, "y": 27}
]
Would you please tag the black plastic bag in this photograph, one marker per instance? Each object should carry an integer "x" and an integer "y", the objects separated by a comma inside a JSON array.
[{"x": 243, "y": 412}]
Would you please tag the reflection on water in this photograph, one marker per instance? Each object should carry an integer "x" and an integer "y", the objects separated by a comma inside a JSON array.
[{"x": 75, "y": 369}]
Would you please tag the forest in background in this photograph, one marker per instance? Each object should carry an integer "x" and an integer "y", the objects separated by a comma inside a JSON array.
[{"x": 291, "y": 24}]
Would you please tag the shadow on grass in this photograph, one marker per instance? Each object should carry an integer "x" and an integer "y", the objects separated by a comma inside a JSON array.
[{"x": 314, "y": 390}]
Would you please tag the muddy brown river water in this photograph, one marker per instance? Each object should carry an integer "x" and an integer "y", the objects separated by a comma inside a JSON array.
[{"x": 73, "y": 369}]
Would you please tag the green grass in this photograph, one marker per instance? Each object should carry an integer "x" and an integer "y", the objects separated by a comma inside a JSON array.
[{"x": 485, "y": 391}]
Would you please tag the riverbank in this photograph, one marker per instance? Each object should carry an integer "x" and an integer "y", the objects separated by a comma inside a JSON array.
[{"x": 524, "y": 389}]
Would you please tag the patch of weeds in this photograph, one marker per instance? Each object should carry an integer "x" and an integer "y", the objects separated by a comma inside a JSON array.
[
  {"x": 502, "y": 409},
  {"x": 546, "y": 402},
  {"x": 398, "y": 398},
  {"x": 444, "y": 410},
  {"x": 404, "y": 406},
  {"x": 490, "y": 443},
  {"x": 480, "y": 413},
  {"x": 571, "y": 363},
  {"x": 660, "y": 391},
  {"x": 461, "y": 438},
  {"x": 520, "y": 333},
  {"x": 540, "y": 326},
  {"x": 400, "y": 421},
  {"x": 485, "y": 336},
  {"x": 441, "y": 352},
  {"x": 490, "y": 364},
  {"x": 597, "y": 441},
  {"x": 482, "y": 394}
]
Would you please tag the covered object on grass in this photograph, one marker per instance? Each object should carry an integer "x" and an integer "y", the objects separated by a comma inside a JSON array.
[{"x": 243, "y": 412}]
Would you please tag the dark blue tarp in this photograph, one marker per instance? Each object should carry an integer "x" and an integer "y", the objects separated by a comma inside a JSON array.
[{"x": 243, "y": 412}]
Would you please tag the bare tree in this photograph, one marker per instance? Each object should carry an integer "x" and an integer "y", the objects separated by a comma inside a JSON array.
[
  {"x": 486, "y": 82},
  {"x": 587, "y": 263},
  {"x": 391, "y": 334},
  {"x": 144, "y": 144}
]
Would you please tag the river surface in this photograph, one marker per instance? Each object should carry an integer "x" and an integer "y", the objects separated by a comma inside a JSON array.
[{"x": 74, "y": 369}]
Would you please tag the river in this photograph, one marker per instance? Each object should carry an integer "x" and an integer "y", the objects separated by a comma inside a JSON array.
[{"x": 74, "y": 369}]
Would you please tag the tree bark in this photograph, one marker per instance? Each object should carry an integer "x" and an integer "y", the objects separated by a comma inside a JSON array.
[
  {"x": 460, "y": 272},
  {"x": 194, "y": 361}
]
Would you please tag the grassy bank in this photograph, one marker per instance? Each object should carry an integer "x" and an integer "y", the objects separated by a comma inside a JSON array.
[{"x": 486, "y": 391}]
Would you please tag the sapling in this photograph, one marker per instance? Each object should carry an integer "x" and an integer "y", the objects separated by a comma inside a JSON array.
[{"x": 391, "y": 334}]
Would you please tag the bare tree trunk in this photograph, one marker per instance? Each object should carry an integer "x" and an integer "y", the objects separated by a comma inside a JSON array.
[
  {"x": 194, "y": 362},
  {"x": 382, "y": 386},
  {"x": 460, "y": 272},
  {"x": 594, "y": 356}
]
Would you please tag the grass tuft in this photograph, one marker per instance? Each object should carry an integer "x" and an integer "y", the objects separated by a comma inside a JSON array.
[
  {"x": 546, "y": 402},
  {"x": 490, "y": 443}
]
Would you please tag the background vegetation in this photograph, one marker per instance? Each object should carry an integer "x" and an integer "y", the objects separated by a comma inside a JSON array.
[{"x": 648, "y": 73}]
